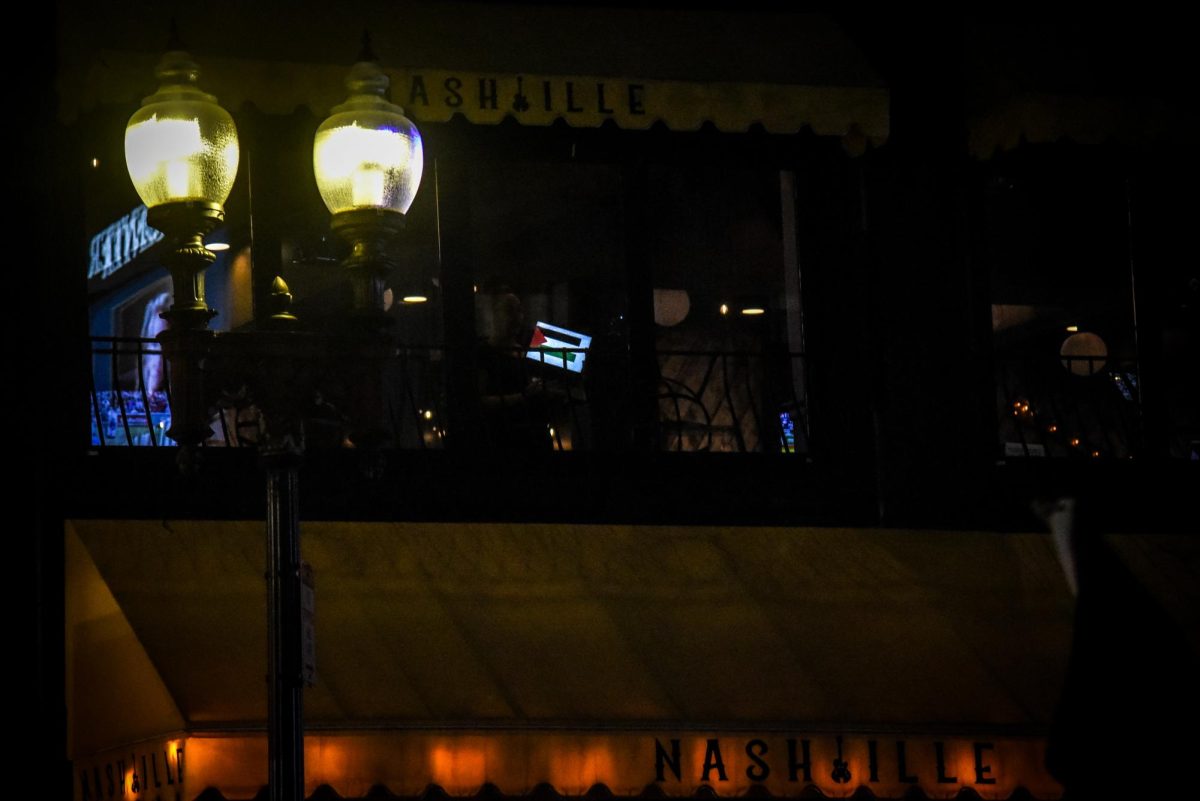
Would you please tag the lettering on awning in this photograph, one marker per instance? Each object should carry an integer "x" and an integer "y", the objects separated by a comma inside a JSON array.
[{"x": 889, "y": 766}]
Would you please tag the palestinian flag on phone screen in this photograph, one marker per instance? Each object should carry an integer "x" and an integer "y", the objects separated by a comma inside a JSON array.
[{"x": 558, "y": 347}]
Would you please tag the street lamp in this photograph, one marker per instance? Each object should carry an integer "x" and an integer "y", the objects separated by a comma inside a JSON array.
[
  {"x": 181, "y": 150},
  {"x": 368, "y": 158}
]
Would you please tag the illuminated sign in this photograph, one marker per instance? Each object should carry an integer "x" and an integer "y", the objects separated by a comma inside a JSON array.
[
  {"x": 516, "y": 761},
  {"x": 121, "y": 243}
]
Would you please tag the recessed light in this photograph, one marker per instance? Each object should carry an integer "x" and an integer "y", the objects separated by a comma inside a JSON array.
[
  {"x": 414, "y": 298},
  {"x": 753, "y": 311}
]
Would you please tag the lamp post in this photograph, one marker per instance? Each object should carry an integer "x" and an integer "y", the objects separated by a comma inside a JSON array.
[
  {"x": 368, "y": 159},
  {"x": 182, "y": 152},
  {"x": 181, "y": 149}
]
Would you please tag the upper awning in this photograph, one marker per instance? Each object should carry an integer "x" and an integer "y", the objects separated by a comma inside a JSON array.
[
  {"x": 586, "y": 101},
  {"x": 465, "y": 655},
  {"x": 635, "y": 67}
]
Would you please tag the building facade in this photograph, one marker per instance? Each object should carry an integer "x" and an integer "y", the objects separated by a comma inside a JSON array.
[{"x": 757, "y": 520}]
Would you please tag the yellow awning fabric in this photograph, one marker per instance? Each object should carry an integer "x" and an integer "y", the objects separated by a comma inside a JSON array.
[
  {"x": 532, "y": 643},
  {"x": 489, "y": 97},
  {"x": 584, "y": 65}
]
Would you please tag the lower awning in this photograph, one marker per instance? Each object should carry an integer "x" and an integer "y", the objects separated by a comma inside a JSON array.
[{"x": 776, "y": 661}]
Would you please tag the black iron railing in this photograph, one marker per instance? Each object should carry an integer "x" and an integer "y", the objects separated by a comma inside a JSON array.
[
  {"x": 732, "y": 402},
  {"x": 507, "y": 399},
  {"x": 691, "y": 401}
]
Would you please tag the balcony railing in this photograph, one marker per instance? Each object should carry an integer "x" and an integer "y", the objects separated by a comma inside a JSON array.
[
  {"x": 683, "y": 401},
  {"x": 1069, "y": 406},
  {"x": 519, "y": 399}
]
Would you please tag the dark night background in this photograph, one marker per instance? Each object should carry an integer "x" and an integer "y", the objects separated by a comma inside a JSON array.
[{"x": 918, "y": 339}]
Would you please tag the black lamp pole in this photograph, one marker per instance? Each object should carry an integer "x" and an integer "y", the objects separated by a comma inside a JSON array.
[
  {"x": 278, "y": 367},
  {"x": 182, "y": 152},
  {"x": 285, "y": 681}
]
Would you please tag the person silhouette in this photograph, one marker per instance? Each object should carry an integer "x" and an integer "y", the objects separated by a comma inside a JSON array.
[{"x": 514, "y": 403}]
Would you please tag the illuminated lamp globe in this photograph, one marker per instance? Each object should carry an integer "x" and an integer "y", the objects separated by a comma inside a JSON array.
[
  {"x": 367, "y": 155},
  {"x": 1083, "y": 353},
  {"x": 180, "y": 146}
]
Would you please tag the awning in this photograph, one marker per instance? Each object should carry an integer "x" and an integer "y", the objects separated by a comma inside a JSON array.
[
  {"x": 1081, "y": 78},
  {"x": 633, "y": 67},
  {"x": 1047, "y": 118},
  {"x": 473, "y": 655},
  {"x": 583, "y": 101}
]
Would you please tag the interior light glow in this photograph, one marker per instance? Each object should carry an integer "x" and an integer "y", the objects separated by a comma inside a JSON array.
[
  {"x": 414, "y": 298},
  {"x": 217, "y": 247},
  {"x": 753, "y": 311}
]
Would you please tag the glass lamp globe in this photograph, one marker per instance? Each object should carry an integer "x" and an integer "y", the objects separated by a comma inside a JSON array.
[
  {"x": 367, "y": 155},
  {"x": 180, "y": 146}
]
